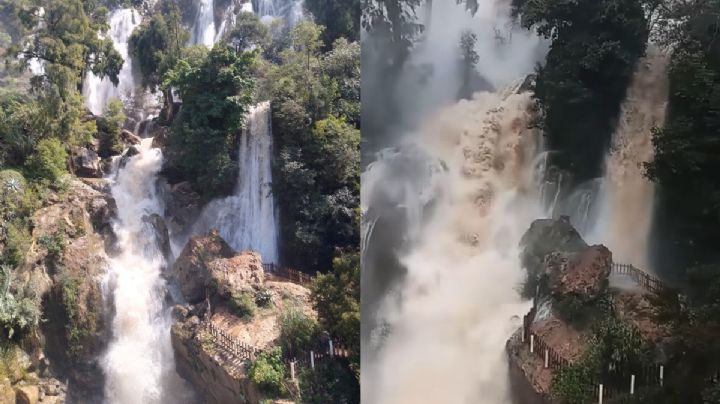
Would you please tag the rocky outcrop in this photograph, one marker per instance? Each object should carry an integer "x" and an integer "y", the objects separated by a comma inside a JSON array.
[
  {"x": 64, "y": 265},
  {"x": 242, "y": 272},
  {"x": 131, "y": 151},
  {"x": 86, "y": 163},
  {"x": 160, "y": 232},
  {"x": 160, "y": 135},
  {"x": 128, "y": 138},
  {"x": 182, "y": 206},
  {"x": 191, "y": 267},
  {"x": 546, "y": 236},
  {"x": 216, "y": 378},
  {"x": 583, "y": 273}
]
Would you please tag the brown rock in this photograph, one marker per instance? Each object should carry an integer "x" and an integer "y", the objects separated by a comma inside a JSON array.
[
  {"x": 86, "y": 163},
  {"x": 191, "y": 267},
  {"x": 585, "y": 273},
  {"x": 182, "y": 206},
  {"x": 27, "y": 394},
  {"x": 128, "y": 137},
  {"x": 241, "y": 272}
]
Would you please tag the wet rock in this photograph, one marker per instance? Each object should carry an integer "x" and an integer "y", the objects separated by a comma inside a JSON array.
[
  {"x": 86, "y": 163},
  {"x": 182, "y": 206},
  {"x": 546, "y": 236},
  {"x": 160, "y": 135},
  {"x": 160, "y": 232},
  {"x": 129, "y": 138}
]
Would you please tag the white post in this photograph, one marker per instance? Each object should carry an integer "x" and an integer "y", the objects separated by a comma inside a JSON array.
[
  {"x": 662, "y": 374},
  {"x": 600, "y": 394},
  {"x": 331, "y": 348},
  {"x": 547, "y": 358},
  {"x": 632, "y": 384},
  {"x": 532, "y": 343},
  {"x": 292, "y": 370},
  {"x": 522, "y": 335},
  {"x": 312, "y": 360}
]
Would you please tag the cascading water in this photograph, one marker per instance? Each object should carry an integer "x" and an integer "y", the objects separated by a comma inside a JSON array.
[
  {"x": 290, "y": 10},
  {"x": 98, "y": 91},
  {"x": 438, "y": 329},
  {"x": 204, "y": 30},
  {"x": 457, "y": 301},
  {"x": 139, "y": 363},
  {"x": 246, "y": 219},
  {"x": 627, "y": 197}
]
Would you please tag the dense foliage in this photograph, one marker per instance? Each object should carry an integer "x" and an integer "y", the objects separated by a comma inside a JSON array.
[
  {"x": 341, "y": 18},
  {"x": 595, "y": 47},
  {"x": 268, "y": 372},
  {"x": 216, "y": 91}
]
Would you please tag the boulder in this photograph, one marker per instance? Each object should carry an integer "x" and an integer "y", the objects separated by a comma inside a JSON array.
[
  {"x": 129, "y": 138},
  {"x": 582, "y": 274},
  {"x": 241, "y": 272},
  {"x": 160, "y": 135},
  {"x": 27, "y": 394},
  {"x": 191, "y": 267},
  {"x": 86, "y": 163},
  {"x": 546, "y": 236},
  {"x": 159, "y": 231}
]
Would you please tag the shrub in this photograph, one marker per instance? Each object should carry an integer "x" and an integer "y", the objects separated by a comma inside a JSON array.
[
  {"x": 17, "y": 241},
  {"x": 110, "y": 126},
  {"x": 329, "y": 382},
  {"x": 17, "y": 311},
  {"x": 53, "y": 243},
  {"x": 243, "y": 304},
  {"x": 263, "y": 298},
  {"x": 268, "y": 372},
  {"x": 298, "y": 331},
  {"x": 572, "y": 384},
  {"x": 49, "y": 160}
]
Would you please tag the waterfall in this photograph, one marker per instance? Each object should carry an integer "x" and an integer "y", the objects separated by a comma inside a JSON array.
[
  {"x": 98, "y": 91},
  {"x": 290, "y": 10},
  {"x": 139, "y": 364},
  {"x": 246, "y": 219},
  {"x": 204, "y": 30},
  {"x": 627, "y": 197}
]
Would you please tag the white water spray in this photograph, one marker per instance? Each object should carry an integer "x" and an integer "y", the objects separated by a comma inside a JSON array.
[
  {"x": 139, "y": 364},
  {"x": 204, "y": 30},
  {"x": 459, "y": 296},
  {"x": 246, "y": 220},
  {"x": 627, "y": 197},
  {"x": 290, "y": 10},
  {"x": 97, "y": 92}
]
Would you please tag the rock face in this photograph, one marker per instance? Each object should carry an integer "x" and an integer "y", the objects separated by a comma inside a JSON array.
[
  {"x": 583, "y": 273},
  {"x": 203, "y": 365},
  {"x": 129, "y": 138},
  {"x": 182, "y": 206},
  {"x": 64, "y": 265},
  {"x": 86, "y": 163},
  {"x": 546, "y": 236},
  {"x": 191, "y": 267},
  {"x": 160, "y": 135},
  {"x": 159, "y": 230}
]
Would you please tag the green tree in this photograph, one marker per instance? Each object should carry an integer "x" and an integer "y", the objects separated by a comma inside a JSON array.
[
  {"x": 216, "y": 94},
  {"x": 298, "y": 332},
  {"x": 268, "y": 372},
  {"x": 469, "y": 59},
  {"x": 65, "y": 37},
  {"x": 336, "y": 298},
  {"x": 595, "y": 47},
  {"x": 342, "y": 18},
  {"x": 110, "y": 126},
  {"x": 248, "y": 31},
  {"x": 49, "y": 160}
]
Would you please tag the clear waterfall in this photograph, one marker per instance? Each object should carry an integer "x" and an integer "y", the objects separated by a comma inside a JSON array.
[
  {"x": 98, "y": 91},
  {"x": 204, "y": 30},
  {"x": 627, "y": 197},
  {"x": 139, "y": 364},
  {"x": 247, "y": 219},
  {"x": 290, "y": 10}
]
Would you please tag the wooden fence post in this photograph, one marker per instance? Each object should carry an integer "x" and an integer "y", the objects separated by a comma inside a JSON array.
[
  {"x": 600, "y": 394},
  {"x": 312, "y": 360},
  {"x": 547, "y": 358},
  {"x": 632, "y": 384},
  {"x": 292, "y": 370}
]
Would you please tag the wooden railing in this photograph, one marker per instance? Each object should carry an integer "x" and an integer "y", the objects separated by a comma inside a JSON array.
[
  {"x": 232, "y": 346},
  {"x": 290, "y": 274},
  {"x": 642, "y": 278}
]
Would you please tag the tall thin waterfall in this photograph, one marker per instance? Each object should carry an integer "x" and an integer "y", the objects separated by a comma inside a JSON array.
[
  {"x": 98, "y": 91},
  {"x": 246, "y": 219},
  {"x": 204, "y": 30},
  {"x": 139, "y": 364},
  {"x": 290, "y": 10},
  {"x": 627, "y": 197}
]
